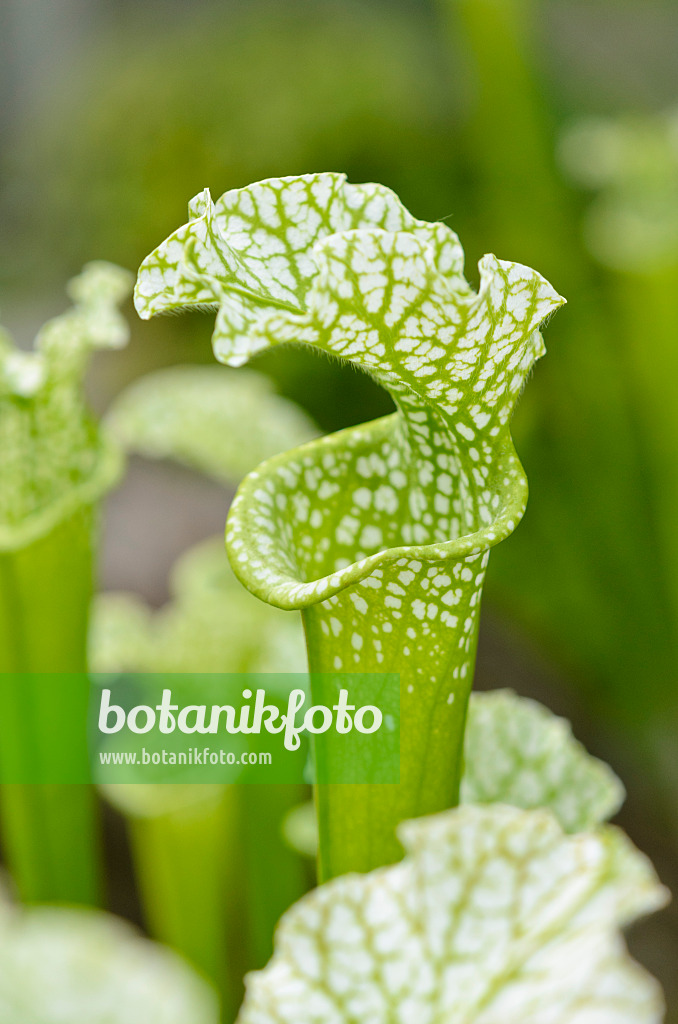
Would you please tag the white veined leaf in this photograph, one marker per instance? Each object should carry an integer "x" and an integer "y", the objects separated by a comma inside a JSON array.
[
  {"x": 54, "y": 459},
  {"x": 347, "y": 269},
  {"x": 67, "y": 966},
  {"x": 495, "y": 916},
  {"x": 517, "y": 752}
]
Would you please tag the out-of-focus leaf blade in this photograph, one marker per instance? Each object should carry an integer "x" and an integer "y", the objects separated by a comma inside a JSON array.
[
  {"x": 517, "y": 752},
  {"x": 494, "y": 916},
  {"x": 62, "y": 966},
  {"x": 206, "y": 418}
]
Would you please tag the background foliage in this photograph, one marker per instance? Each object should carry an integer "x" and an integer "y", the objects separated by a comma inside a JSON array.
[{"x": 535, "y": 128}]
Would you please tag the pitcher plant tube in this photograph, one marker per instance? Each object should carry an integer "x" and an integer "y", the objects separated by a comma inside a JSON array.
[
  {"x": 56, "y": 464},
  {"x": 380, "y": 534}
]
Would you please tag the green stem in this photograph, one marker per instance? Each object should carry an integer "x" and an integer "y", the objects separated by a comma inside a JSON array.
[
  {"x": 188, "y": 874},
  {"x": 215, "y": 877},
  {"x": 357, "y": 822},
  {"x": 276, "y": 876},
  {"x": 49, "y": 832}
]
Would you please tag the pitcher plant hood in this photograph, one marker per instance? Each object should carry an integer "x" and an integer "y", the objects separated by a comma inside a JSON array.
[{"x": 348, "y": 270}]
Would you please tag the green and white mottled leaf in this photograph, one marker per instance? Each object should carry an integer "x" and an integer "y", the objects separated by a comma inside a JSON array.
[
  {"x": 209, "y": 625},
  {"x": 517, "y": 752},
  {"x": 494, "y": 917},
  {"x": 347, "y": 269},
  {"x": 254, "y": 246},
  {"x": 63, "y": 966},
  {"x": 208, "y": 418},
  {"x": 53, "y": 457},
  {"x": 380, "y": 533}
]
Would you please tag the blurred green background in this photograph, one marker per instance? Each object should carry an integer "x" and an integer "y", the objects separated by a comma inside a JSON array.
[{"x": 545, "y": 131}]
